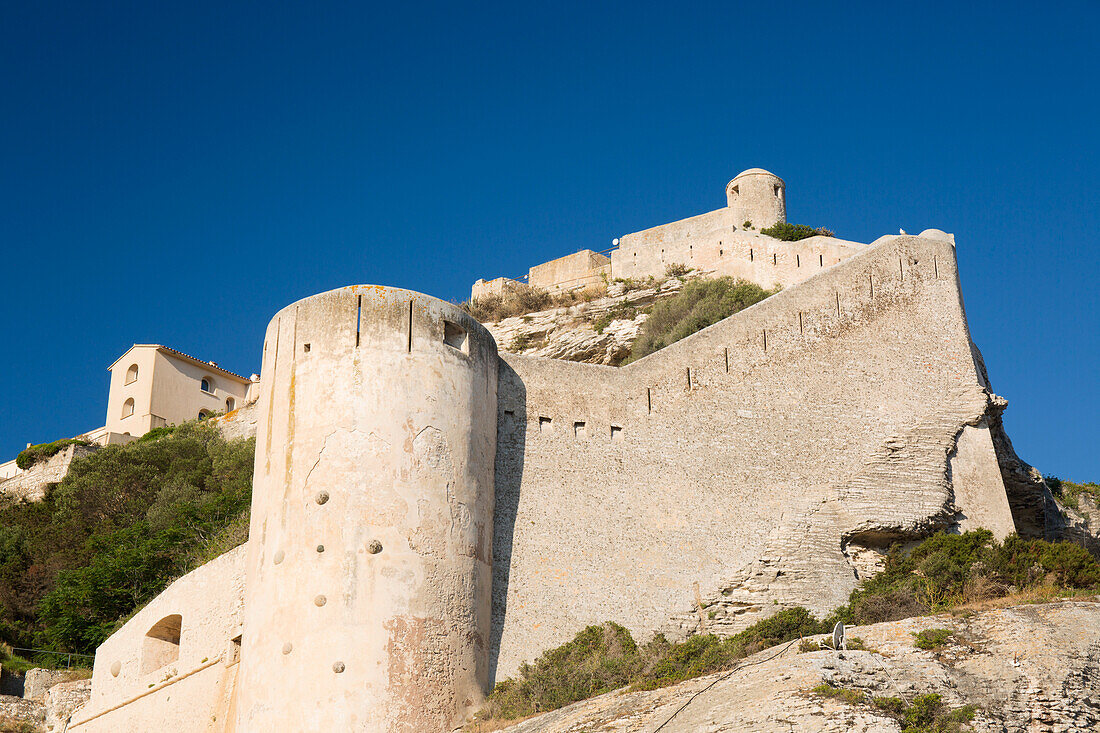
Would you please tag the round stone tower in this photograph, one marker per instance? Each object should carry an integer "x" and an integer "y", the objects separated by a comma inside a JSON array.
[
  {"x": 757, "y": 196},
  {"x": 368, "y": 587}
]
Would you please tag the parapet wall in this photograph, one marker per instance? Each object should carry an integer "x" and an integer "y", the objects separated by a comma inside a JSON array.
[
  {"x": 173, "y": 666},
  {"x": 763, "y": 460}
]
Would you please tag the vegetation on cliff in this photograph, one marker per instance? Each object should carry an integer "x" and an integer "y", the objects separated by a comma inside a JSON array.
[
  {"x": 699, "y": 304},
  {"x": 36, "y": 453},
  {"x": 940, "y": 573},
  {"x": 116, "y": 531}
]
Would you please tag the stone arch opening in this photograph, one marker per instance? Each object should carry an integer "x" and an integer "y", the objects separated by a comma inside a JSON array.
[{"x": 161, "y": 645}]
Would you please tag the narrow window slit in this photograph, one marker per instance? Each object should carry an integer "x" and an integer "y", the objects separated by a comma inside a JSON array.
[
  {"x": 727, "y": 360},
  {"x": 358, "y": 317},
  {"x": 765, "y": 339},
  {"x": 578, "y": 429},
  {"x": 689, "y": 377},
  {"x": 838, "y": 304},
  {"x": 801, "y": 328},
  {"x": 616, "y": 434},
  {"x": 648, "y": 400},
  {"x": 409, "y": 345},
  {"x": 821, "y": 260},
  {"x": 936, "y": 268},
  {"x": 871, "y": 280}
]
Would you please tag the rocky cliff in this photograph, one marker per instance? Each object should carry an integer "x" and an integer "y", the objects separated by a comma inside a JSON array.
[{"x": 1028, "y": 667}]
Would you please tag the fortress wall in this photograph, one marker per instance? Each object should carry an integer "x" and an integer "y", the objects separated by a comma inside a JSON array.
[
  {"x": 131, "y": 690},
  {"x": 754, "y": 459},
  {"x": 578, "y": 270},
  {"x": 712, "y": 245},
  {"x": 369, "y": 575}
]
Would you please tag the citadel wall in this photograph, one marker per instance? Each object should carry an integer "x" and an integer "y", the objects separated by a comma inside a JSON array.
[
  {"x": 369, "y": 578},
  {"x": 765, "y": 459},
  {"x": 173, "y": 666},
  {"x": 30, "y": 484}
]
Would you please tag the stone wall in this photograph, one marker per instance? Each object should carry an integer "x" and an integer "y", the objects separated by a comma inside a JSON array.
[
  {"x": 573, "y": 272},
  {"x": 239, "y": 423},
  {"x": 63, "y": 700},
  {"x": 30, "y": 485},
  {"x": 139, "y": 680},
  {"x": 715, "y": 244},
  {"x": 757, "y": 464}
]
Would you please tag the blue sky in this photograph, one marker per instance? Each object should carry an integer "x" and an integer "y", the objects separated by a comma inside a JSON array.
[{"x": 176, "y": 174}]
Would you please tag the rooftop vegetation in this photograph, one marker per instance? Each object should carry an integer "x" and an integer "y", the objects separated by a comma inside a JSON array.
[{"x": 794, "y": 232}]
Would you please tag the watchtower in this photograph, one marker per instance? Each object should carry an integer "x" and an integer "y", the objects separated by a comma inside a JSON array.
[
  {"x": 368, "y": 586},
  {"x": 757, "y": 196}
]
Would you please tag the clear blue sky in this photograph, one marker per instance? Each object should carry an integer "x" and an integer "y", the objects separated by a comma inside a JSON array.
[{"x": 176, "y": 174}]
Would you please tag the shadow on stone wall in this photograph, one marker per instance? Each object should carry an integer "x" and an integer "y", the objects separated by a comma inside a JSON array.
[{"x": 508, "y": 475}]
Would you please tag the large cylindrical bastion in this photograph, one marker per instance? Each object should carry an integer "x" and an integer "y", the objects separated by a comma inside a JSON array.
[{"x": 369, "y": 579}]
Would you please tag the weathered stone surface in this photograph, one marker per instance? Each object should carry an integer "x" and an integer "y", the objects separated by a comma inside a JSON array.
[
  {"x": 63, "y": 700},
  {"x": 16, "y": 710},
  {"x": 37, "y": 682},
  {"x": 1031, "y": 667},
  {"x": 30, "y": 485}
]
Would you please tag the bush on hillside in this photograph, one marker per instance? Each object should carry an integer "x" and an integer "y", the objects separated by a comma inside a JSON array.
[
  {"x": 603, "y": 658},
  {"x": 116, "y": 531},
  {"x": 36, "y": 453},
  {"x": 949, "y": 569},
  {"x": 699, "y": 304},
  {"x": 794, "y": 232},
  {"x": 494, "y": 308},
  {"x": 1069, "y": 492}
]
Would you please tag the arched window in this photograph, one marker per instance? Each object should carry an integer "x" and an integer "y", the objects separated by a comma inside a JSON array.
[
  {"x": 162, "y": 643},
  {"x": 203, "y": 414},
  {"x": 229, "y": 403},
  {"x": 128, "y": 407},
  {"x": 131, "y": 374},
  {"x": 207, "y": 385}
]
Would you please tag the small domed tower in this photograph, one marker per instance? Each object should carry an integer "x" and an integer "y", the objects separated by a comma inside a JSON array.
[
  {"x": 758, "y": 196},
  {"x": 368, "y": 583}
]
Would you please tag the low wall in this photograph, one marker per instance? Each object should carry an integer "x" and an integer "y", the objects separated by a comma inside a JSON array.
[
  {"x": 136, "y": 685},
  {"x": 30, "y": 485},
  {"x": 497, "y": 286},
  {"x": 572, "y": 272}
]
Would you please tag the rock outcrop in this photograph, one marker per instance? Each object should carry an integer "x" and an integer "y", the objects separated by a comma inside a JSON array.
[
  {"x": 1028, "y": 667},
  {"x": 569, "y": 333}
]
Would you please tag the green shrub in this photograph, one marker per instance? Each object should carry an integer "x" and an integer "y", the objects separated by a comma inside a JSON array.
[
  {"x": 941, "y": 572},
  {"x": 932, "y": 639},
  {"x": 676, "y": 269},
  {"x": 604, "y": 658},
  {"x": 597, "y": 660},
  {"x": 36, "y": 453},
  {"x": 699, "y": 304},
  {"x": 853, "y": 697},
  {"x": 115, "y": 531},
  {"x": 794, "y": 232}
]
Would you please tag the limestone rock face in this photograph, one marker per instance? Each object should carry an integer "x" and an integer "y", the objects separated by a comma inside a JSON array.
[
  {"x": 570, "y": 334},
  {"x": 1030, "y": 667}
]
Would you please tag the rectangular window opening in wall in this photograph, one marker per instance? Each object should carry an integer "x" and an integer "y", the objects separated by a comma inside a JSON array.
[
  {"x": 454, "y": 336},
  {"x": 234, "y": 650},
  {"x": 821, "y": 260},
  {"x": 775, "y": 258},
  {"x": 545, "y": 424},
  {"x": 616, "y": 433},
  {"x": 798, "y": 260},
  {"x": 719, "y": 253},
  {"x": 305, "y": 348},
  {"x": 578, "y": 429}
]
